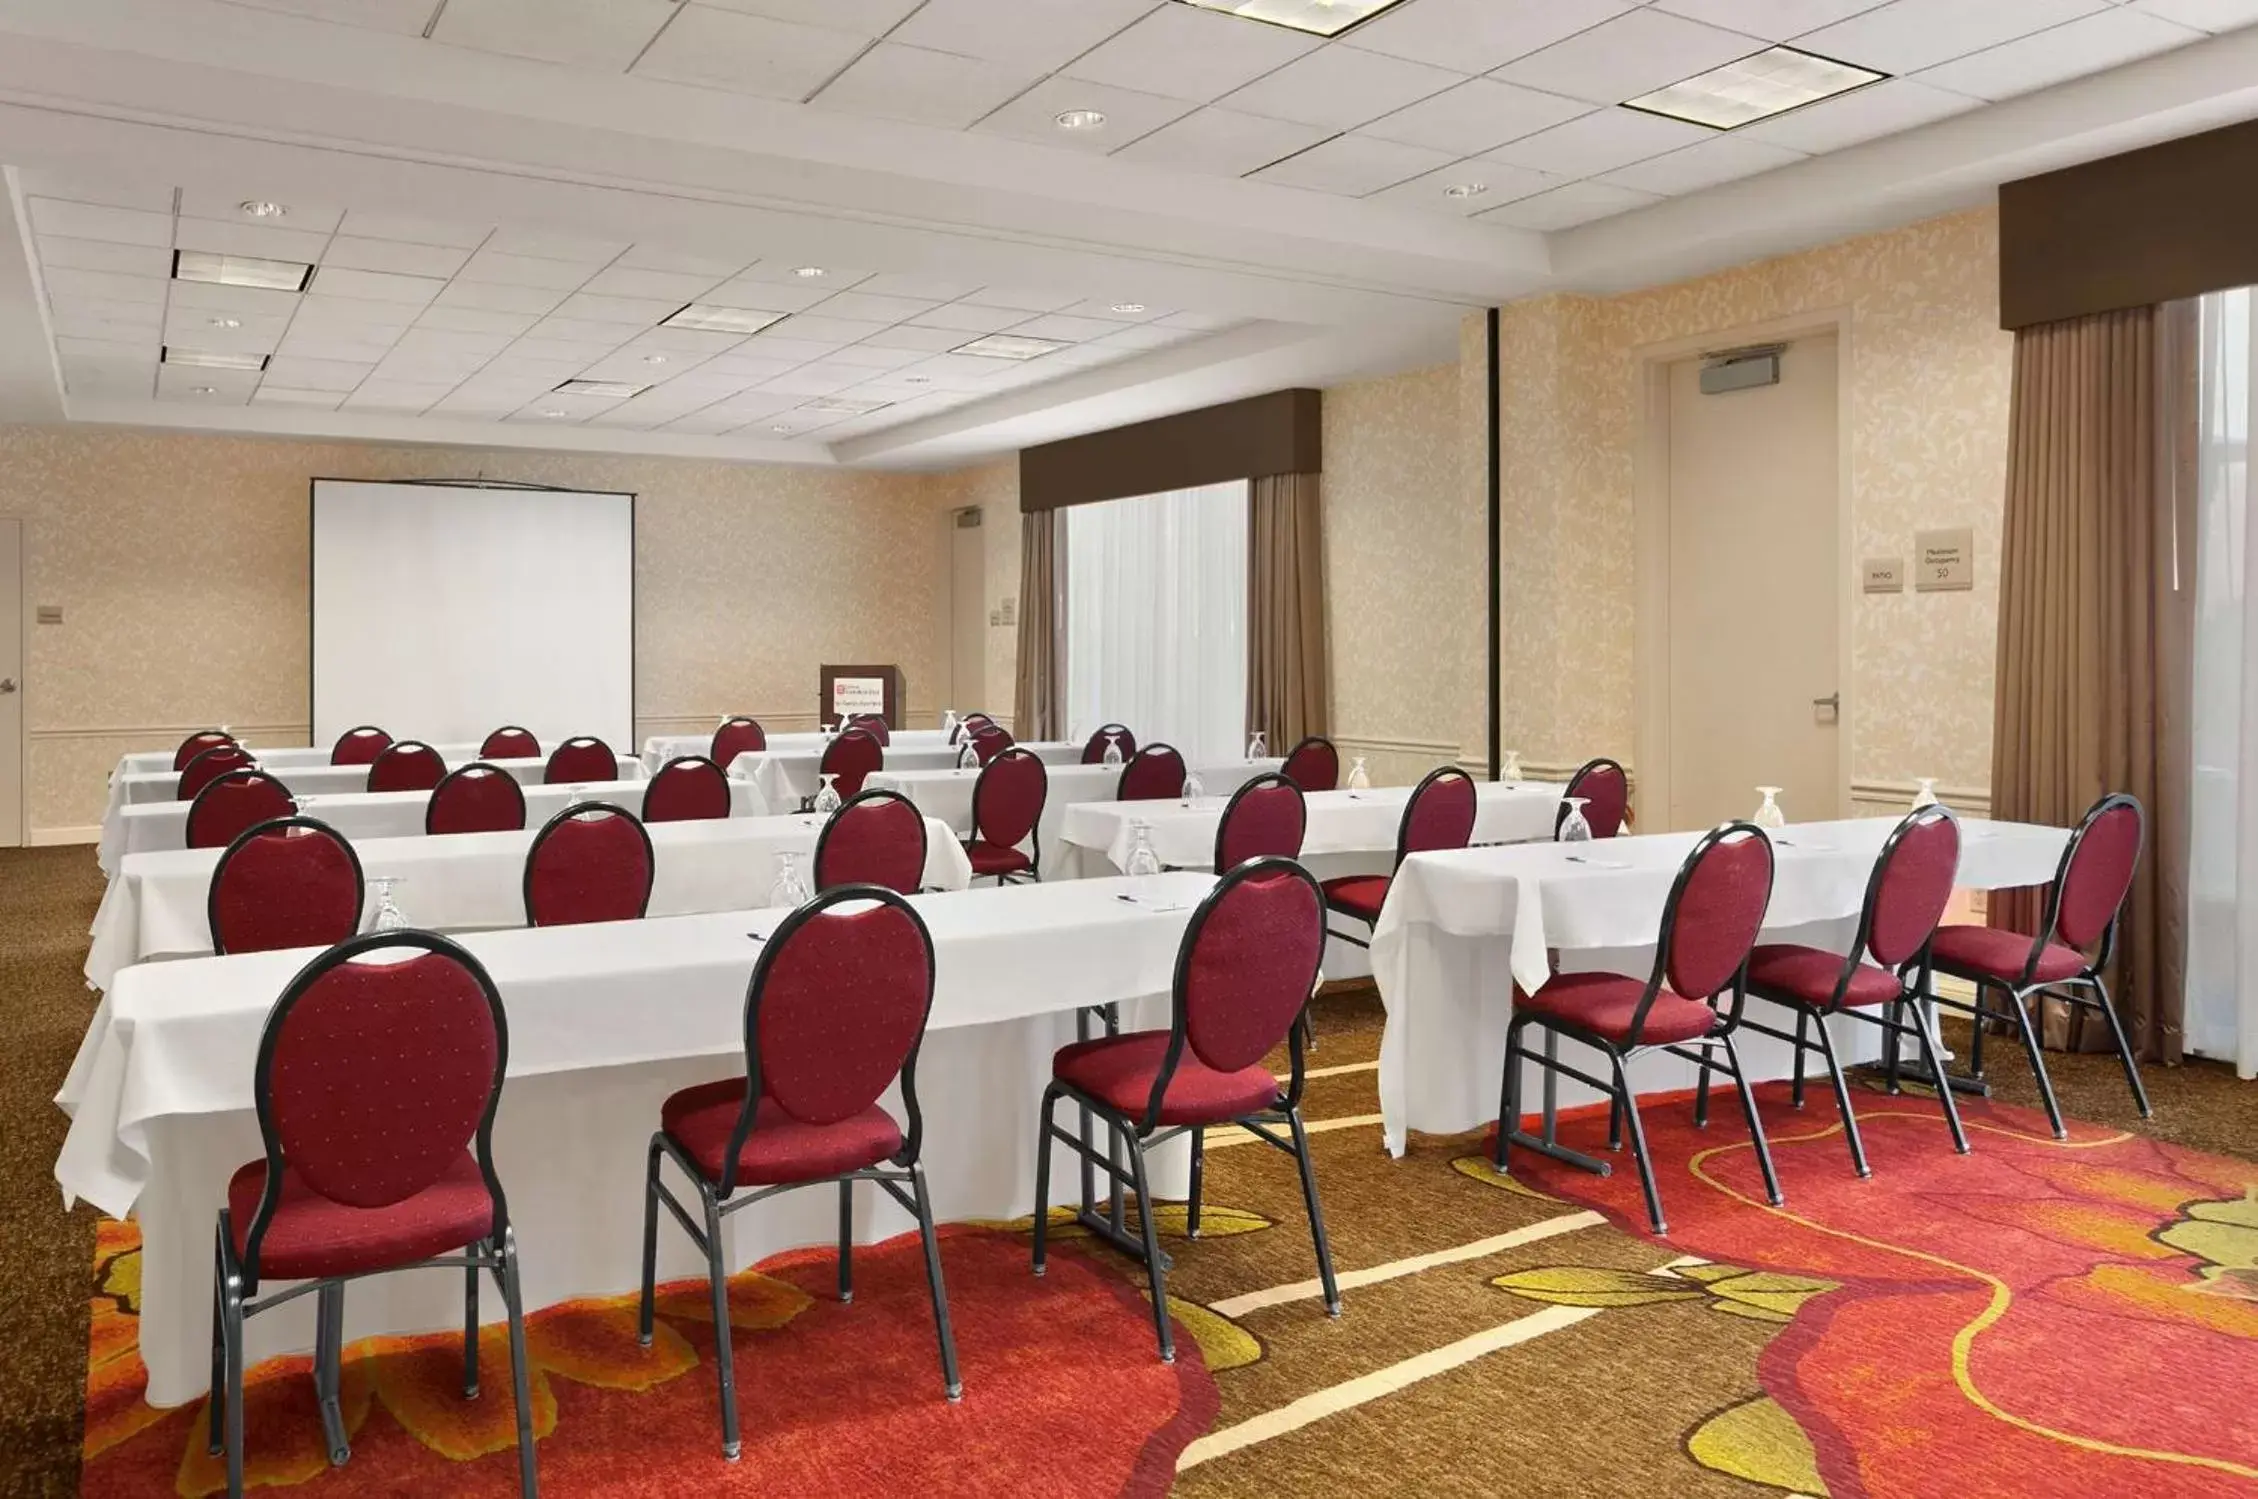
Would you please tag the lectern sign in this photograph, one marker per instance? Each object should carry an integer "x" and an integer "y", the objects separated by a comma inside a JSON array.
[
  {"x": 844, "y": 691},
  {"x": 852, "y": 695}
]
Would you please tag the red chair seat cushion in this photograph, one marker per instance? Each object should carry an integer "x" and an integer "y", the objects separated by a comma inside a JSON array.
[
  {"x": 312, "y": 1238},
  {"x": 1119, "y": 1070},
  {"x": 1992, "y": 953},
  {"x": 1358, "y": 895},
  {"x": 1604, "y": 1004},
  {"x": 780, "y": 1148},
  {"x": 994, "y": 858},
  {"x": 1809, "y": 975}
]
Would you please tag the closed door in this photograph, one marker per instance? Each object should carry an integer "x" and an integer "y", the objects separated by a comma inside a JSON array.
[
  {"x": 11, "y": 684},
  {"x": 1754, "y": 629},
  {"x": 968, "y": 632}
]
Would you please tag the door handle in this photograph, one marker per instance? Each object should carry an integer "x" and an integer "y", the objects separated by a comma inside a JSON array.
[
  {"x": 7, "y": 685},
  {"x": 1831, "y": 700}
]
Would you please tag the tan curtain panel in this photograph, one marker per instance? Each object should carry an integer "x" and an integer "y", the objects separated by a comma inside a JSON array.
[
  {"x": 1038, "y": 692},
  {"x": 1288, "y": 681},
  {"x": 2093, "y": 656}
]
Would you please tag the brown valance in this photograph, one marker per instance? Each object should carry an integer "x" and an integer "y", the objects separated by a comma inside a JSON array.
[
  {"x": 1251, "y": 439},
  {"x": 2134, "y": 230}
]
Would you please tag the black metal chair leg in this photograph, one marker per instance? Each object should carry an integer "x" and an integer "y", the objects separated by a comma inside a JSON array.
[
  {"x": 215, "y": 1405},
  {"x": 2124, "y": 1048},
  {"x": 1639, "y": 1156},
  {"x": 470, "y": 1322},
  {"x": 1199, "y": 1174},
  {"x": 1925, "y": 1024},
  {"x": 846, "y": 1241},
  {"x": 1316, "y": 1214},
  {"x": 951, "y": 1381},
  {"x": 232, "y": 1310},
  {"x": 521, "y": 1373},
  {"x": 1509, "y": 1095},
  {"x": 1614, "y": 1122},
  {"x": 2022, "y": 1018},
  {"x": 650, "y": 1244},
  {"x": 1802, "y": 1021},
  {"x": 1043, "y": 1116},
  {"x": 724, "y": 1360},
  {"x": 329, "y": 1338},
  {"x": 1146, "y": 1226},
  {"x": 1755, "y": 1125},
  {"x": 1842, "y": 1092},
  {"x": 1701, "y": 1092}
]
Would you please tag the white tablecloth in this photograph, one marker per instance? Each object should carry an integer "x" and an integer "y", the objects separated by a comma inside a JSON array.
[
  {"x": 605, "y": 1021},
  {"x": 338, "y": 780},
  {"x": 468, "y": 881},
  {"x": 660, "y": 748},
  {"x": 274, "y": 761},
  {"x": 784, "y": 778},
  {"x": 1460, "y": 929}
]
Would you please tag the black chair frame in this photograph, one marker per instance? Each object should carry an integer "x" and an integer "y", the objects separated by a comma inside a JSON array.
[
  {"x": 463, "y": 770},
  {"x": 1100, "y": 732},
  {"x": 365, "y": 728},
  {"x": 1152, "y": 751},
  {"x": 533, "y": 852},
  {"x": 235, "y": 777},
  {"x": 1033, "y": 873},
  {"x": 1304, "y": 743},
  {"x": 231, "y": 748},
  {"x": 277, "y": 825},
  {"x": 1266, "y": 780},
  {"x": 514, "y": 728},
  {"x": 1588, "y": 768},
  {"x": 406, "y": 746},
  {"x": 924, "y": 836}
]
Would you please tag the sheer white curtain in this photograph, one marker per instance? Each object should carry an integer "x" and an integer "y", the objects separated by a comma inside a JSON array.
[
  {"x": 2222, "y": 936},
  {"x": 1156, "y": 618}
]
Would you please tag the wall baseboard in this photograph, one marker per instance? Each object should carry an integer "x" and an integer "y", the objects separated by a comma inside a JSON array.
[
  {"x": 56, "y": 837},
  {"x": 270, "y": 735}
]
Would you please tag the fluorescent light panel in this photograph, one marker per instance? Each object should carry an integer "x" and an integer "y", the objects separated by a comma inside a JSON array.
[
  {"x": 1317, "y": 17},
  {"x": 710, "y": 319},
  {"x": 203, "y": 360},
  {"x": 240, "y": 270},
  {"x": 1755, "y": 88},
  {"x": 1006, "y": 346},
  {"x": 617, "y": 390}
]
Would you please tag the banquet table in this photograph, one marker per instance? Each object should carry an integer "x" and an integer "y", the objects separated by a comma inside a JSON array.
[
  {"x": 660, "y": 748},
  {"x": 338, "y": 780},
  {"x": 469, "y": 881},
  {"x": 1460, "y": 929},
  {"x": 274, "y": 761},
  {"x": 785, "y": 777},
  {"x": 605, "y": 1021}
]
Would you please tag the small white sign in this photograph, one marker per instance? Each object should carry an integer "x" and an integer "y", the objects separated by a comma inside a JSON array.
[
  {"x": 852, "y": 695},
  {"x": 1946, "y": 560},
  {"x": 1885, "y": 574}
]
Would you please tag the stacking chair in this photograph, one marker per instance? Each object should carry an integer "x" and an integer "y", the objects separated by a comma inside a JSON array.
[
  {"x": 2082, "y": 911},
  {"x": 1692, "y": 999},
  {"x": 1264, "y": 819},
  {"x": 1246, "y": 968},
  {"x": 196, "y": 744},
  {"x": 581, "y": 758},
  {"x": 851, "y": 757},
  {"x": 406, "y": 765},
  {"x": 1093, "y": 749},
  {"x": 1314, "y": 765},
  {"x": 510, "y": 743},
  {"x": 873, "y": 724},
  {"x": 588, "y": 863},
  {"x": 359, "y": 746},
  {"x": 209, "y": 766},
  {"x": 1153, "y": 774},
  {"x": 288, "y": 882},
  {"x": 375, "y": 1086},
  {"x": 236, "y": 800},
  {"x": 834, "y": 1014},
  {"x": 989, "y": 741},
  {"x": 688, "y": 788},
  {"x": 1905, "y": 898},
  {"x": 736, "y": 736},
  {"x": 877, "y": 838},
  {"x": 1440, "y": 815},
  {"x": 969, "y": 725},
  {"x": 1607, "y": 795},
  {"x": 477, "y": 798},
  {"x": 1007, "y": 810}
]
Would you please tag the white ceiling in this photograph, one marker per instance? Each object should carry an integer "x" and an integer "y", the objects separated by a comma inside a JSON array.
[{"x": 505, "y": 194}]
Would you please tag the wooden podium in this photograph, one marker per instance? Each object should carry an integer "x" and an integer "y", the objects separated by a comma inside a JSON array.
[{"x": 844, "y": 691}]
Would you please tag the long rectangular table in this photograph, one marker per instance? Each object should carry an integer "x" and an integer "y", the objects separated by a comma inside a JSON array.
[
  {"x": 470, "y": 881},
  {"x": 340, "y": 780},
  {"x": 1461, "y": 929},
  {"x": 785, "y": 777},
  {"x": 275, "y": 761},
  {"x": 605, "y": 1021},
  {"x": 660, "y": 748}
]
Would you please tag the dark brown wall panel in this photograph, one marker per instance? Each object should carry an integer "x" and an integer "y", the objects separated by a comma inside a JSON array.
[{"x": 1274, "y": 434}]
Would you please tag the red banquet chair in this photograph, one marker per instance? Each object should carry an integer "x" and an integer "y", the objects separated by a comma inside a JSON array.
[
  {"x": 1709, "y": 926},
  {"x": 1905, "y": 898},
  {"x": 196, "y": 744},
  {"x": 588, "y": 863},
  {"x": 477, "y": 798},
  {"x": 1264, "y": 819},
  {"x": 1093, "y": 748},
  {"x": 1440, "y": 815},
  {"x": 288, "y": 882},
  {"x": 989, "y": 741},
  {"x": 873, "y": 724},
  {"x": 1007, "y": 811},
  {"x": 876, "y": 838},
  {"x": 210, "y": 766},
  {"x": 1313, "y": 764},
  {"x": 359, "y": 746},
  {"x": 510, "y": 743},
  {"x": 969, "y": 725},
  {"x": 688, "y": 788},
  {"x": 850, "y": 759},
  {"x": 581, "y": 758},
  {"x": 406, "y": 765},
  {"x": 2082, "y": 911},
  {"x": 1607, "y": 797},
  {"x": 834, "y": 1014},
  {"x": 1243, "y": 974},
  {"x": 375, "y": 1086},
  {"x": 736, "y": 736},
  {"x": 1153, "y": 774},
  {"x": 237, "y": 800}
]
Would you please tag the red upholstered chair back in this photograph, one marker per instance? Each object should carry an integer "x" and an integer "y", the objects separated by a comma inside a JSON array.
[
  {"x": 989, "y": 741},
  {"x": 877, "y": 838},
  {"x": 1314, "y": 765},
  {"x": 478, "y": 798},
  {"x": 196, "y": 744},
  {"x": 1093, "y": 749},
  {"x": 511, "y": 743},
  {"x": 210, "y": 766},
  {"x": 581, "y": 758},
  {"x": 739, "y": 736},
  {"x": 1265, "y": 820},
  {"x": 588, "y": 863},
  {"x": 851, "y": 757},
  {"x": 1007, "y": 800},
  {"x": 874, "y": 725},
  {"x": 406, "y": 765},
  {"x": 2097, "y": 872},
  {"x": 1715, "y": 910},
  {"x": 1911, "y": 885},
  {"x": 237, "y": 800},
  {"x": 1440, "y": 814},
  {"x": 969, "y": 725},
  {"x": 379, "y": 1066},
  {"x": 291, "y": 882},
  {"x": 1155, "y": 773},
  {"x": 1606, "y": 790},
  {"x": 359, "y": 746},
  {"x": 689, "y": 788},
  {"x": 1247, "y": 965}
]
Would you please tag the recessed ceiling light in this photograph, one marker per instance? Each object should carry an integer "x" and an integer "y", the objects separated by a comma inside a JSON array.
[
  {"x": 616, "y": 390},
  {"x": 654, "y": 359},
  {"x": 225, "y": 322},
  {"x": 1080, "y": 119},
  {"x": 1756, "y": 87},
  {"x": 552, "y": 413},
  {"x": 1317, "y": 17},
  {"x": 917, "y": 379},
  {"x": 1006, "y": 346},
  {"x": 709, "y": 319},
  {"x": 205, "y": 360},
  {"x": 1466, "y": 189},
  {"x": 203, "y": 390},
  {"x": 809, "y": 272},
  {"x": 259, "y": 208},
  {"x": 780, "y": 427},
  {"x": 240, "y": 270},
  {"x": 1128, "y": 307}
]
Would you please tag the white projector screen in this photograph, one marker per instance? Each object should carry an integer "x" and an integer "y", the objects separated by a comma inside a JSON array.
[{"x": 443, "y": 611}]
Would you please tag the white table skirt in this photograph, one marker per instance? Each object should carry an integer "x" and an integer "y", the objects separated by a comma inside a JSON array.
[
  {"x": 660, "y": 748},
  {"x": 784, "y": 778},
  {"x": 605, "y": 1021},
  {"x": 160, "y": 826},
  {"x": 274, "y": 761},
  {"x": 156, "y": 907},
  {"x": 1461, "y": 929},
  {"x": 341, "y": 780}
]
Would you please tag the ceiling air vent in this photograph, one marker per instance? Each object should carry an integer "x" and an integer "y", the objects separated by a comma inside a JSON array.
[{"x": 1741, "y": 369}]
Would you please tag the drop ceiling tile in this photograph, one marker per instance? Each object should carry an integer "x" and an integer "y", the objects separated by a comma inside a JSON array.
[
  {"x": 394, "y": 255},
  {"x": 697, "y": 341},
  {"x": 1906, "y": 36},
  {"x": 1564, "y": 207},
  {"x": 109, "y": 192},
  {"x": 189, "y": 328},
  {"x": 642, "y": 311},
  {"x": 704, "y": 424},
  {"x": 360, "y": 319},
  {"x": 792, "y": 350},
  {"x": 930, "y": 88},
  {"x": 316, "y": 374},
  {"x": 270, "y": 394},
  {"x": 377, "y": 286},
  {"x": 1111, "y": 310},
  {"x": 406, "y": 17},
  {"x": 250, "y": 239},
  {"x": 672, "y": 286},
  {"x": 1038, "y": 34},
  {"x": 1222, "y": 142},
  {"x": 227, "y": 208},
  {"x": 470, "y": 320},
  {"x": 415, "y": 231},
  {"x": 785, "y": 272},
  {"x": 748, "y": 54},
  {"x": 863, "y": 17},
  {"x": 1704, "y": 164},
  {"x": 116, "y": 226},
  {"x": 56, "y": 253},
  {"x": 583, "y": 331},
  {"x": 217, "y": 387},
  {"x": 489, "y": 296},
  {"x": 2089, "y": 44},
  {"x": 1341, "y": 87},
  {"x": 814, "y": 328},
  {"x": 1353, "y": 165},
  {"x": 548, "y": 244},
  {"x": 109, "y": 286},
  {"x": 2205, "y": 15},
  {"x": 1475, "y": 36},
  {"x": 967, "y": 372},
  {"x": 1064, "y": 329},
  {"x": 969, "y": 319},
  {"x": 870, "y": 308},
  {"x": 1140, "y": 339},
  {"x": 580, "y": 33},
  {"x": 1475, "y": 116},
  {"x": 748, "y": 366},
  {"x": 1600, "y": 142},
  {"x": 921, "y": 288},
  {"x": 1023, "y": 298},
  {"x": 1201, "y": 54},
  {"x": 77, "y": 322},
  {"x": 109, "y": 379},
  {"x": 1877, "y": 110},
  {"x": 629, "y": 368},
  {"x": 299, "y": 344},
  {"x": 492, "y": 265},
  {"x": 1773, "y": 20},
  {"x": 681, "y": 262},
  {"x": 765, "y": 296},
  {"x": 1500, "y": 182},
  {"x": 871, "y": 356},
  {"x": 452, "y": 400},
  {"x": 564, "y": 351},
  {"x": 391, "y": 395},
  {"x": 74, "y": 348},
  {"x": 811, "y": 381},
  {"x": 1631, "y": 55},
  {"x": 1033, "y": 116},
  {"x": 419, "y": 342},
  {"x": 932, "y": 340}
]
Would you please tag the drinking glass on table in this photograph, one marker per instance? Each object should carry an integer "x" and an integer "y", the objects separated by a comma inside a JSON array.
[
  {"x": 1768, "y": 815},
  {"x": 1926, "y": 796},
  {"x": 1143, "y": 861},
  {"x": 968, "y": 758},
  {"x": 827, "y": 799},
  {"x": 1511, "y": 769},
  {"x": 1113, "y": 750},
  {"x": 1257, "y": 747},
  {"x": 1575, "y": 827},
  {"x": 389, "y": 917},
  {"x": 1194, "y": 788},
  {"x": 1360, "y": 779},
  {"x": 789, "y": 889}
]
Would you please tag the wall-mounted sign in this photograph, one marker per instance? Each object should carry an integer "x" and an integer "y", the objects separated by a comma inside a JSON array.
[
  {"x": 1885, "y": 574},
  {"x": 1944, "y": 561}
]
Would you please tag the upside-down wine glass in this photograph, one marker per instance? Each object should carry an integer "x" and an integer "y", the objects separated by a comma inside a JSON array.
[
  {"x": 1113, "y": 750},
  {"x": 827, "y": 799},
  {"x": 1360, "y": 779},
  {"x": 389, "y": 917},
  {"x": 1257, "y": 746},
  {"x": 1143, "y": 862},
  {"x": 1768, "y": 815},
  {"x": 1926, "y": 796},
  {"x": 789, "y": 889},
  {"x": 1575, "y": 827}
]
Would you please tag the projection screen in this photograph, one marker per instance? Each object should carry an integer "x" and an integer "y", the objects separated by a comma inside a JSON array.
[{"x": 444, "y": 611}]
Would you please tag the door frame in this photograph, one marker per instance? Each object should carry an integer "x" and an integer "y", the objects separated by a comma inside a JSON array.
[
  {"x": 25, "y": 615},
  {"x": 1650, "y": 522}
]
